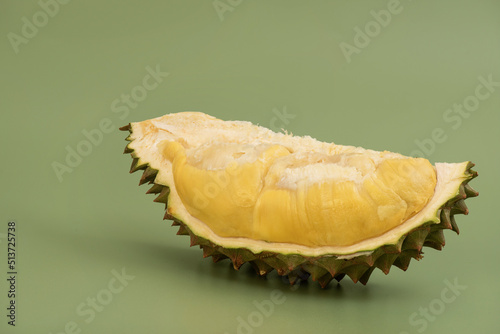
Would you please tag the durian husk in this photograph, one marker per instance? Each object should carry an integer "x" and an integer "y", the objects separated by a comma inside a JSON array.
[{"x": 326, "y": 267}]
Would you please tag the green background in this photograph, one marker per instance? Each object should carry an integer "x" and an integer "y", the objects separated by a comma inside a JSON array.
[{"x": 254, "y": 59}]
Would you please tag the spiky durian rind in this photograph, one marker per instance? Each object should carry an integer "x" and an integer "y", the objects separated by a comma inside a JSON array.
[{"x": 326, "y": 267}]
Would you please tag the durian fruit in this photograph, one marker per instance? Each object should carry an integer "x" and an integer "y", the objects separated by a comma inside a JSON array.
[{"x": 295, "y": 204}]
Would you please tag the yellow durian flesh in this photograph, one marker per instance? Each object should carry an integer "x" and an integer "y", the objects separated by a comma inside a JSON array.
[{"x": 270, "y": 192}]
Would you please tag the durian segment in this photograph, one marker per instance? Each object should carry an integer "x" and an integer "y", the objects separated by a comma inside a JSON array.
[
  {"x": 218, "y": 190},
  {"x": 342, "y": 212},
  {"x": 197, "y": 132}
]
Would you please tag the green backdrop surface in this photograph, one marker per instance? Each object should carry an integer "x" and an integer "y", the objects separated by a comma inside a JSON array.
[{"x": 93, "y": 253}]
